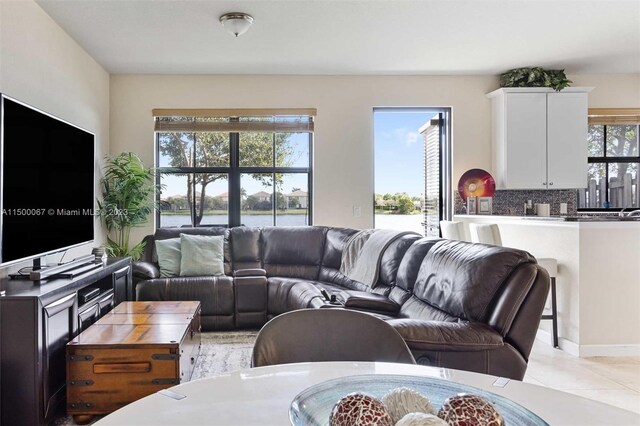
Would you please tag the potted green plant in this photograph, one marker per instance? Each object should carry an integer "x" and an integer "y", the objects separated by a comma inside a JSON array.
[
  {"x": 534, "y": 77},
  {"x": 127, "y": 201}
]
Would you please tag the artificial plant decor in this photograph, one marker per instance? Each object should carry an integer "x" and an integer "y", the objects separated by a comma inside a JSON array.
[
  {"x": 127, "y": 201},
  {"x": 534, "y": 77}
]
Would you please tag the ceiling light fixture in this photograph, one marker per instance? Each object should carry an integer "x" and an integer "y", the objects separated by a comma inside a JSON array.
[{"x": 236, "y": 23}]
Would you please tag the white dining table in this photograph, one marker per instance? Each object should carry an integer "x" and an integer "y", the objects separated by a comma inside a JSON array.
[{"x": 262, "y": 396}]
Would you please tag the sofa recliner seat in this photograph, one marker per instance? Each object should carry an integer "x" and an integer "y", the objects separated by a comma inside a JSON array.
[{"x": 458, "y": 305}]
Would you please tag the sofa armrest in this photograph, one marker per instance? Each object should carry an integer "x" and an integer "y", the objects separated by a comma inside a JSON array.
[
  {"x": 447, "y": 336},
  {"x": 338, "y": 278},
  {"x": 250, "y": 273},
  {"x": 145, "y": 270},
  {"x": 368, "y": 302},
  {"x": 250, "y": 287}
]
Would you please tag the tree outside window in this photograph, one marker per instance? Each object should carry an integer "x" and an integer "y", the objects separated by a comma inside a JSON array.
[
  {"x": 614, "y": 157},
  {"x": 197, "y": 169}
]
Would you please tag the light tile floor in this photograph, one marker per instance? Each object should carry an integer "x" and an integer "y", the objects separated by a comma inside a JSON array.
[{"x": 612, "y": 380}]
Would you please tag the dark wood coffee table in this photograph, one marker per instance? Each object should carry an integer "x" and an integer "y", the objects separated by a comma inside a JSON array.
[{"x": 133, "y": 351}]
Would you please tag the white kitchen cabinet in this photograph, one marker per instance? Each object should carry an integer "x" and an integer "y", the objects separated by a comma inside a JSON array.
[{"x": 539, "y": 138}]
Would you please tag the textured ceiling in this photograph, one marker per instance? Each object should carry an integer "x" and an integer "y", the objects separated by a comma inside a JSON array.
[{"x": 355, "y": 37}]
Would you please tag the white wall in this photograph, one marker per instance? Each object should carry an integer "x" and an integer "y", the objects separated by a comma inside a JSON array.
[
  {"x": 610, "y": 287},
  {"x": 611, "y": 90},
  {"x": 343, "y": 154},
  {"x": 43, "y": 66},
  {"x": 343, "y": 157}
]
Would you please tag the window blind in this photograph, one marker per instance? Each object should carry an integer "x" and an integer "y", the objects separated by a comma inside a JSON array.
[
  {"x": 614, "y": 116},
  {"x": 286, "y": 120}
]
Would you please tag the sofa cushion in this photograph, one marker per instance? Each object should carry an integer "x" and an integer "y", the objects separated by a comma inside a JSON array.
[
  {"x": 335, "y": 277},
  {"x": 417, "y": 309},
  {"x": 334, "y": 243},
  {"x": 363, "y": 256},
  {"x": 216, "y": 294},
  {"x": 435, "y": 335},
  {"x": 293, "y": 251},
  {"x": 244, "y": 248},
  {"x": 392, "y": 257},
  {"x": 201, "y": 255},
  {"x": 411, "y": 262},
  {"x": 169, "y": 257},
  {"x": 462, "y": 279},
  {"x": 287, "y": 294},
  {"x": 502, "y": 361},
  {"x": 408, "y": 268},
  {"x": 166, "y": 233}
]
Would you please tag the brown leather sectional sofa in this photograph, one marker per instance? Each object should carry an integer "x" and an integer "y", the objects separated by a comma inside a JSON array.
[{"x": 458, "y": 305}]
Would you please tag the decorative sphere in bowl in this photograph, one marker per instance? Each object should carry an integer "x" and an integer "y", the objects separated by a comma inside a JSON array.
[
  {"x": 402, "y": 401},
  {"x": 464, "y": 409},
  {"x": 359, "y": 409},
  {"x": 421, "y": 419}
]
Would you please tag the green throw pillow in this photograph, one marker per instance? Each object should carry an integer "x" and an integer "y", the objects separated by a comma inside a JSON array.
[
  {"x": 201, "y": 255},
  {"x": 169, "y": 257}
]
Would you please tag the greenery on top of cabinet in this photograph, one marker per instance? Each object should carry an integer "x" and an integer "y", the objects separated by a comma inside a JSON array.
[{"x": 534, "y": 77}]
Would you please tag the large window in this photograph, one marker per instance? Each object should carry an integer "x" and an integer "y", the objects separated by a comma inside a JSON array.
[
  {"x": 614, "y": 160},
  {"x": 240, "y": 167}
]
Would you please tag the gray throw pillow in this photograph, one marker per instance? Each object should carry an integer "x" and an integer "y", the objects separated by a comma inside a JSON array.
[
  {"x": 201, "y": 255},
  {"x": 169, "y": 257}
]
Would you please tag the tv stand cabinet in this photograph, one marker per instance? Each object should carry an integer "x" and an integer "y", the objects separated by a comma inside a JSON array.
[{"x": 36, "y": 322}]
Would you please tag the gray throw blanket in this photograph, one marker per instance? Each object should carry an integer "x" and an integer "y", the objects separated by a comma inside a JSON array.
[{"x": 362, "y": 253}]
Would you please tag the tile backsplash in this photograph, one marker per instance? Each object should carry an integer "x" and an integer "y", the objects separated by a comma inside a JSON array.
[{"x": 511, "y": 202}]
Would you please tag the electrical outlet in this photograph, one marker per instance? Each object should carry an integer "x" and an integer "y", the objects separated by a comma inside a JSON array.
[
  {"x": 563, "y": 208},
  {"x": 357, "y": 211}
]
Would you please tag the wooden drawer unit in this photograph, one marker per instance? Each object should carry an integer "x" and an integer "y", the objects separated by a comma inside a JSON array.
[
  {"x": 37, "y": 321},
  {"x": 135, "y": 350},
  {"x": 107, "y": 303},
  {"x": 88, "y": 316}
]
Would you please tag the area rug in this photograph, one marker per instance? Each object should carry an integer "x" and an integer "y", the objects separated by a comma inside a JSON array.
[{"x": 221, "y": 352}]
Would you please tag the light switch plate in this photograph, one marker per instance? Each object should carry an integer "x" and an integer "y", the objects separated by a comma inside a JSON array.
[{"x": 357, "y": 211}]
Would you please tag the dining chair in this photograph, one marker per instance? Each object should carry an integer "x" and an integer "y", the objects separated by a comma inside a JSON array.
[
  {"x": 490, "y": 234},
  {"x": 333, "y": 334},
  {"x": 452, "y": 230}
]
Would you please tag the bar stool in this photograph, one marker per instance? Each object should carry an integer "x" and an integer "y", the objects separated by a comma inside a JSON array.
[
  {"x": 452, "y": 230},
  {"x": 490, "y": 234},
  {"x": 551, "y": 265}
]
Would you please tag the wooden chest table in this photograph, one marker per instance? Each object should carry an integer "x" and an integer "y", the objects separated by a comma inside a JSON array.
[{"x": 133, "y": 351}]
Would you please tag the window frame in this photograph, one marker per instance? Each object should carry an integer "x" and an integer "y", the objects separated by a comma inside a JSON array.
[
  {"x": 606, "y": 160},
  {"x": 234, "y": 172},
  {"x": 446, "y": 200}
]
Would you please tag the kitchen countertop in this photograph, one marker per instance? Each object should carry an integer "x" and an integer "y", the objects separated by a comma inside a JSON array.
[{"x": 577, "y": 218}]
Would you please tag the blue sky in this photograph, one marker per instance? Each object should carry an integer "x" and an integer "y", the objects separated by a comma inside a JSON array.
[{"x": 399, "y": 151}]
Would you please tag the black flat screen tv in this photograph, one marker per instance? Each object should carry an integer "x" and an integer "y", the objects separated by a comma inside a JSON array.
[{"x": 46, "y": 183}]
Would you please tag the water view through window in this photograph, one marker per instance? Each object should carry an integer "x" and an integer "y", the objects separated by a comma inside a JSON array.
[
  {"x": 403, "y": 197},
  {"x": 253, "y": 178}
]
